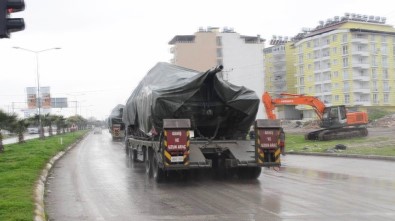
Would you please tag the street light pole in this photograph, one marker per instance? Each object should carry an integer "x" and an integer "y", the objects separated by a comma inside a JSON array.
[{"x": 41, "y": 129}]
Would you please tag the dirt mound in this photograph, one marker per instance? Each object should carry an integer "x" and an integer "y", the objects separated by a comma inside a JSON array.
[{"x": 386, "y": 121}]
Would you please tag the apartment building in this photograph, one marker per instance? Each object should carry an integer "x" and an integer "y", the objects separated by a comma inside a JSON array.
[
  {"x": 280, "y": 73},
  {"x": 241, "y": 56},
  {"x": 347, "y": 60}
]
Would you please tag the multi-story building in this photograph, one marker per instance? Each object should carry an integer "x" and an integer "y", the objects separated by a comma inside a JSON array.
[
  {"x": 280, "y": 73},
  {"x": 348, "y": 60},
  {"x": 241, "y": 56}
]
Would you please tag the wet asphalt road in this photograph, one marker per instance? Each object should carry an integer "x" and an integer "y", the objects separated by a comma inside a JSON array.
[{"x": 96, "y": 181}]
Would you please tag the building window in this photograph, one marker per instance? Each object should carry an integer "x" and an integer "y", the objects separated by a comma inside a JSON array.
[
  {"x": 347, "y": 98},
  {"x": 301, "y": 90},
  {"x": 219, "y": 41},
  {"x": 383, "y": 49},
  {"x": 345, "y": 38},
  {"x": 386, "y": 86},
  {"x": 375, "y": 98},
  {"x": 345, "y": 49},
  {"x": 345, "y": 74},
  {"x": 335, "y": 74},
  {"x": 374, "y": 73},
  {"x": 219, "y": 52},
  {"x": 345, "y": 62},
  {"x": 374, "y": 85},
  {"x": 384, "y": 61},
  {"x": 308, "y": 44},
  {"x": 309, "y": 67},
  {"x": 334, "y": 50},
  {"x": 385, "y": 74},
  {"x": 317, "y": 77},
  {"x": 301, "y": 71},
  {"x": 346, "y": 86},
  {"x": 374, "y": 61},
  {"x": 386, "y": 98},
  {"x": 334, "y": 61},
  {"x": 373, "y": 49},
  {"x": 316, "y": 54},
  {"x": 334, "y": 38},
  {"x": 318, "y": 89},
  {"x": 383, "y": 39},
  {"x": 300, "y": 58},
  {"x": 336, "y": 98},
  {"x": 372, "y": 37},
  {"x": 309, "y": 55},
  {"x": 301, "y": 81}
]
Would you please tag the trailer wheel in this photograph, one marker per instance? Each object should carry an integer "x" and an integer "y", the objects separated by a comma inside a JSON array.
[
  {"x": 158, "y": 173},
  {"x": 133, "y": 155},
  {"x": 147, "y": 161},
  {"x": 249, "y": 172},
  {"x": 126, "y": 147}
]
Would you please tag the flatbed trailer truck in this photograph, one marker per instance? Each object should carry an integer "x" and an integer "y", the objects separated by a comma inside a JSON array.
[{"x": 176, "y": 150}]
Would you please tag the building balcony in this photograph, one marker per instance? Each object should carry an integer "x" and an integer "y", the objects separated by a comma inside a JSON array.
[
  {"x": 360, "y": 41},
  {"x": 360, "y": 53},
  {"x": 361, "y": 78},
  {"x": 279, "y": 83},
  {"x": 360, "y": 65},
  {"x": 361, "y": 90},
  {"x": 278, "y": 62},
  {"x": 362, "y": 102},
  {"x": 279, "y": 71}
]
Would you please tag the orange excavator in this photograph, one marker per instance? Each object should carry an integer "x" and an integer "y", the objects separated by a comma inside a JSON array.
[{"x": 336, "y": 121}]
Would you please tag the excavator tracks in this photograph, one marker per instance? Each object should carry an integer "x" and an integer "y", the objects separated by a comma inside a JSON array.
[{"x": 338, "y": 133}]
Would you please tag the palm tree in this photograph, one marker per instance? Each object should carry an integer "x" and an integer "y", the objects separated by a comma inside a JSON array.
[
  {"x": 48, "y": 119},
  {"x": 60, "y": 122},
  {"x": 6, "y": 121},
  {"x": 20, "y": 126}
]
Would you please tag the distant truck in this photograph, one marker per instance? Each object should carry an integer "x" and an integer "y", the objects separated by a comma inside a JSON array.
[
  {"x": 115, "y": 125},
  {"x": 179, "y": 119}
]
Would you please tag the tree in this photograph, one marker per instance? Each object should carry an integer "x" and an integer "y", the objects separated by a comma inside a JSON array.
[
  {"x": 60, "y": 123},
  {"x": 48, "y": 120},
  {"x": 20, "y": 126},
  {"x": 6, "y": 121}
]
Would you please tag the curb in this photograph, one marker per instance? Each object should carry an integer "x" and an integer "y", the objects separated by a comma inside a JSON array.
[
  {"x": 356, "y": 156},
  {"x": 39, "y": 211}
]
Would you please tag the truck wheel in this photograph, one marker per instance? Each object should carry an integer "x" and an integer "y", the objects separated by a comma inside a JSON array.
[
  {"x": 158, "y": 173},
  {"x": 126, "y": 148},
  {"x": 249, "y": 172},
  {"x": 147, "y": 162},
  {"x": 133, "y": 155},
  {"x": 255, "y": 172}
]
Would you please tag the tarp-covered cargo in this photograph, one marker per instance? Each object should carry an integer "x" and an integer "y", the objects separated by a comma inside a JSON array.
[
  {"x": 215, "y": 107},
  {"x": 116, "y": 115}
]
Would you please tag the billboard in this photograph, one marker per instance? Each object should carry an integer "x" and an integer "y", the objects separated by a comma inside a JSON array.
[
  {"x": 45, "y": 97},
  {"x": 59, "y": 102},
  {"x": 31, "y": 97}
]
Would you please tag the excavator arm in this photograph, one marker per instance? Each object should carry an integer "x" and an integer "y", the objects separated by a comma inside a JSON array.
[{"x": 291, "y": 99}]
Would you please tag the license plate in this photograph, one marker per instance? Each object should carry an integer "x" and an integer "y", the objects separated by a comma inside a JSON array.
[{"x": 177, "y": 159}]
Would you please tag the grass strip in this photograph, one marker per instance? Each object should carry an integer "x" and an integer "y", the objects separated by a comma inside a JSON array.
[
  {"x": 379, "y": 146},
  {"x": 20, "y": 167}
]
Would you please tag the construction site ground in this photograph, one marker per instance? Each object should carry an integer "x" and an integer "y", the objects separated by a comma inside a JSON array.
[{"x": 380, "y": 140}]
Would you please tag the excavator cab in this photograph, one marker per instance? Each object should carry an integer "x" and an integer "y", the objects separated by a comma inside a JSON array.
[{"x": 334, "y": 117}]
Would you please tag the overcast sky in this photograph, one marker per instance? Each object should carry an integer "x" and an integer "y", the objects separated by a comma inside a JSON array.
[{"x": 108, "y": 46}]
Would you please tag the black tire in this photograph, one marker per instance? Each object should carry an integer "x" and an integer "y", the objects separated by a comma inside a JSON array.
[
  {"x": 158, "y": 173},
  {"x": 147, "y": 162},
  {"x": 133, "y": 155},
  {"x": 249, "y": 172}
]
